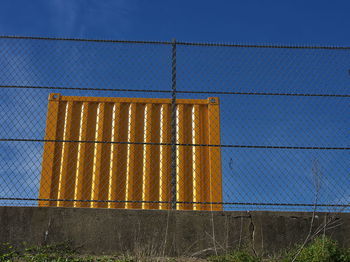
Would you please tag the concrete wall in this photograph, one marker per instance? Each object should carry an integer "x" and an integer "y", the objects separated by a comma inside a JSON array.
[{"x": 110, "y": 231}]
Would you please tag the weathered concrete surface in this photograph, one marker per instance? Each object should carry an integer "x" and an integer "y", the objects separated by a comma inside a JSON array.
[{"x": 110, "y": 231}]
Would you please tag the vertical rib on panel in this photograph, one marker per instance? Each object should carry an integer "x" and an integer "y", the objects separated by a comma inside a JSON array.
[
  {"x": 52, "y": 151},
  {"x": 155, "y": 158},
  {"x": 81, "y": 151},
  {"x": 135, "y": 156},
  {"x": 117, "y": 186},
  {"x": 151, "y": 157},
  {"x": 100, "y": 179},
  {"x": 86, "y": 154},
  {"x": 165, "y": 157},
  {"x": 205, "y": 172},
  {"x": 58, "y": 153},
  {"x": 215, "y": 153},
  {"x": 184, "y": 157},
  {"x": 200, "y": 158},
  {"x": 69, "y": 154}
]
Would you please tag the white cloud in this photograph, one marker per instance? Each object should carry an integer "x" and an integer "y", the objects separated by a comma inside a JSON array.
[
  {"x": 91, "y": 18},
  {"x": 64, "y": 16}
]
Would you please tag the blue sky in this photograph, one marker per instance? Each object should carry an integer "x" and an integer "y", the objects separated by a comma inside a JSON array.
[
  {"x": 252, "y": 21},
  {"x": 282, "y": 175}
]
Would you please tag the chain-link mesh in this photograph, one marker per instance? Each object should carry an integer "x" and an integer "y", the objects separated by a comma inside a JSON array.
[{"x": 162, "y": 125}]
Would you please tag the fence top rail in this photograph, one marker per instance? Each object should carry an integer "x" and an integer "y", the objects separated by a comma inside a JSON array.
[{"x": 208, "y": 44}]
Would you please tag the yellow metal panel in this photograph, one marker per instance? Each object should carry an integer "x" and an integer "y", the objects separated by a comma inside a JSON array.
[{"x": 122, "y": 175}]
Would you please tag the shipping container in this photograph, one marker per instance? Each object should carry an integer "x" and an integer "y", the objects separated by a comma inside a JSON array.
[{"x": 109, "y": 152}]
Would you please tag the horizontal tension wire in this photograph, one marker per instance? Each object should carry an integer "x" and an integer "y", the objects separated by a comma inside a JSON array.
[
  {"x": 178, "y": 91},
  {"x": 178, "y": 202},
  {"x": 177, "y": 43},
  {"x": 177, "y": 144}
]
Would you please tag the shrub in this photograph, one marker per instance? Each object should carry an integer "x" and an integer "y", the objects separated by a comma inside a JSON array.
[
  {"x": 236, "y": 256},
  {"x": 7, "y": 252},
  {"x": 322, "y": 249}
]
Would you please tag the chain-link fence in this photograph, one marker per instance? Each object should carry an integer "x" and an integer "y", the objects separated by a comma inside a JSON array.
[{"x": 173, "y": 125}]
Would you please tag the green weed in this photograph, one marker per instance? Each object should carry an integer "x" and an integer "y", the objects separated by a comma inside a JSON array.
[{"x": 322, "y": 249}]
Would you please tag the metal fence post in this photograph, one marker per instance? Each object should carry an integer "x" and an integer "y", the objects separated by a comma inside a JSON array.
[{"x": 173, "y": 126}]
